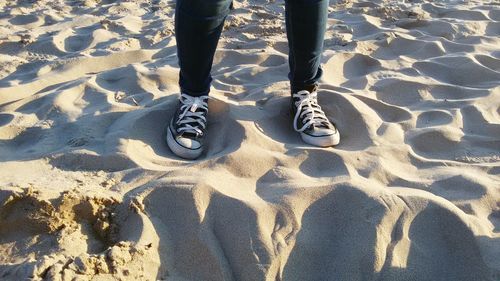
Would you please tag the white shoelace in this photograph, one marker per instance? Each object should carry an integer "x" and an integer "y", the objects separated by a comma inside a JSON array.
[
  {"x": 190, "y": 115},
  {"x": 307, "y": 106}
]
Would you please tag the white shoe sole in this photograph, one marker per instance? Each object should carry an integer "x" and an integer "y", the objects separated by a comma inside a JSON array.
[
  {"x": 180, "y": 150},
  {"x": 323, "y": 141}
]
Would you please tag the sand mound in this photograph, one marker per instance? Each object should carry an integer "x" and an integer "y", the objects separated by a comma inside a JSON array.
[{"x": 65, "y": 237}]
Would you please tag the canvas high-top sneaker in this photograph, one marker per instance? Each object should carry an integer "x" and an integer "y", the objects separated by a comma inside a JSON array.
[
  {"x": 186, "y": 132},
  {"x": 311, "y": 122}
]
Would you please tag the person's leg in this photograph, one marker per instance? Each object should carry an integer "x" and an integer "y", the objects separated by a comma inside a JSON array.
[
  {"x": 305, "y": 26},
  {"x": 198, "y": 25}
]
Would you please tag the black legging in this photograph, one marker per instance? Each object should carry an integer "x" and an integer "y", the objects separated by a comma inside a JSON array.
[{"x": 198, "y": 25}]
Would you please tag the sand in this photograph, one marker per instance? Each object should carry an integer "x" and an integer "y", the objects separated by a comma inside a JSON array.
[{"x": 89, "y": 190}]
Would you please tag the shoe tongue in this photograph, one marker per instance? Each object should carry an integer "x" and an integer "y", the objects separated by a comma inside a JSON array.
[
  {"x": 192, "y": 132},
  {"x": 321, "y": 125},
  {"x": 196, "y": 104},
  {"x": 190, "y": 135},
  {"x": 309, "y": 88},
  {"x": 298, "y": 98}
]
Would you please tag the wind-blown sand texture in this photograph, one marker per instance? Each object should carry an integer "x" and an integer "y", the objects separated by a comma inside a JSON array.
[{"x": 89, "y": 190}]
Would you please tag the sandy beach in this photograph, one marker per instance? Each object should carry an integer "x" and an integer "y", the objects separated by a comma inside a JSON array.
[{"x": 90, "y": 191}]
